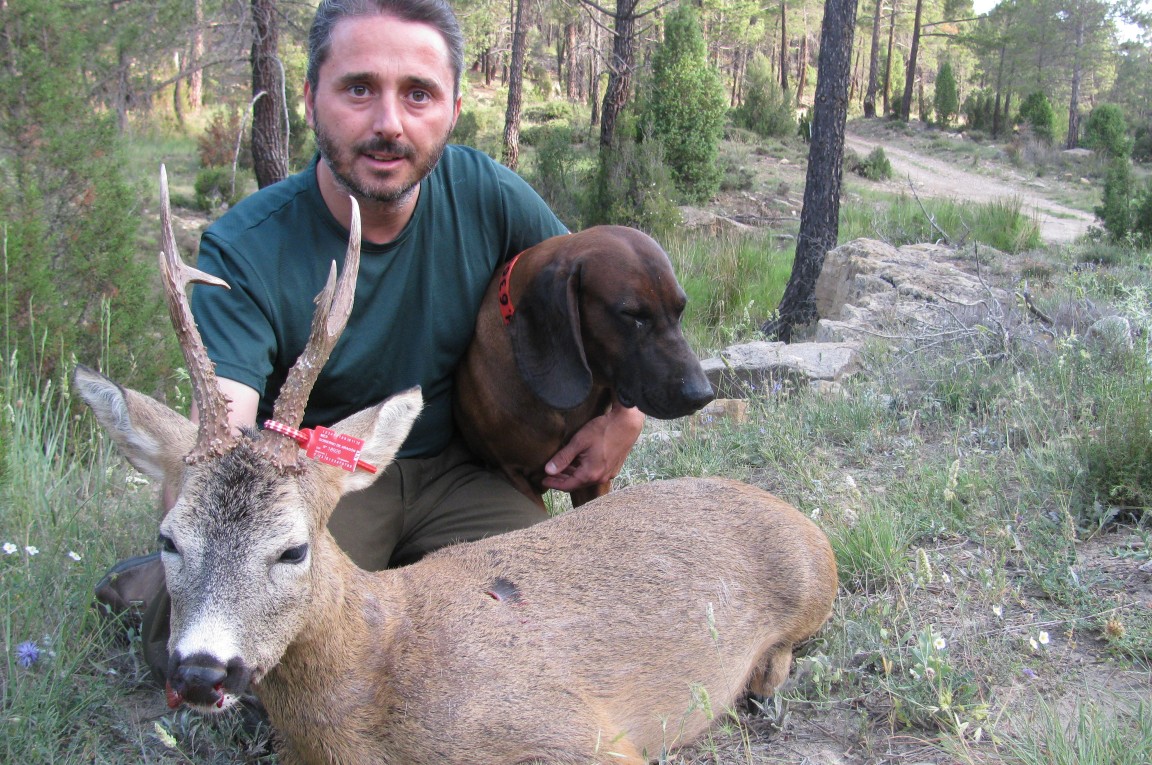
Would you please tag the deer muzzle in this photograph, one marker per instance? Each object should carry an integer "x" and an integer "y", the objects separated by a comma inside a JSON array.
[{"x": 203, "y": 681}]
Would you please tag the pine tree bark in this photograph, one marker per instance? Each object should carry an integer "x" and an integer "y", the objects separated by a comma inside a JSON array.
[
  {"x": 819, "y": 219},
  {"x": 913, "y": 52},
  {"x": 269, "y": 147},
  {"x": 873, "y": 64},
  {"x": 515, "y": 87},
  {"x": 620, "y": 70}
]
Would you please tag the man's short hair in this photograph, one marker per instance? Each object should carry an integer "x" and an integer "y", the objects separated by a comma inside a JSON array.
[{"x": 435, "y": 13}]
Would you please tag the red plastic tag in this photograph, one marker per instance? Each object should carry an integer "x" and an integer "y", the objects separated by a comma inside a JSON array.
[{"x": 332, "y": 448}]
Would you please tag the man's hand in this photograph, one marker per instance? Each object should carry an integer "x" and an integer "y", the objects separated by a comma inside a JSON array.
[{"x": 597, "y": 451}]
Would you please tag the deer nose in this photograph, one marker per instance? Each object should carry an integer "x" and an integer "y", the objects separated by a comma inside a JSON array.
[{"x": 201, "y": 679}]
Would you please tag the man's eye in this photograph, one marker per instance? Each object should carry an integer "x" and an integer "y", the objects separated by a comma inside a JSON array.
[
  {"x": 359, "y": 91},
  {"x": 420, "y": 96}
]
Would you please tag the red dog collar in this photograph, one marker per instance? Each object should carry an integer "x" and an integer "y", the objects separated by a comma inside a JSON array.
[{"x": 506, "y": 307}]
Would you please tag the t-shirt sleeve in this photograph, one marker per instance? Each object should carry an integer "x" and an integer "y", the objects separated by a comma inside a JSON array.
[
  {"x": 234, "y": 323},
  {"x": 530, "y": 220}
]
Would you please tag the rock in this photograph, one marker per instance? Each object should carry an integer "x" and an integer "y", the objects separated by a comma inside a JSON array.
[
  {"x": 1111, "y": 335},
  {"x": 868, "y": 287},
  {"x": 763, "y": 366}
]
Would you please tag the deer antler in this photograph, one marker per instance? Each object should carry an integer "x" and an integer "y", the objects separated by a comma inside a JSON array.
[
  {"x": 333, "y": 307},
  {"x": 215, "y": 433}
]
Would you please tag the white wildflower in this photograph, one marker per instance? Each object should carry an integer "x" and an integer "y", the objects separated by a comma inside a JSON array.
[
  {"x": 1043, "y": 637},
  {"x": 9, "y": 548},
  {"x": 74, "y": 555},
  {"x": 999, "y": 611},
  {"x": 939, "y": 644},
  {"x": 31, "y": 550}
]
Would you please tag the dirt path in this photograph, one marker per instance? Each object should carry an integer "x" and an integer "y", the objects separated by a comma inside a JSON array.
[{"x": 935, "y": 178}]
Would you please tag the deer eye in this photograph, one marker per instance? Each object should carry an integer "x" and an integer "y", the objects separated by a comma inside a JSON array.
[
  {"x": 167, "y": 545},
  {"x": 295, "y": 554}
]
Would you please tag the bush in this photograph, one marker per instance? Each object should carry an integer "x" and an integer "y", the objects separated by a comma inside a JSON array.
[
  {"x": 946, "y": 101},
  {"x": 555, "y": 172},
  {"x": 767, "y": 108},
  {"x": 1106, "y": 131},
  {"x": 216, "y": 188},
  {"x": 1036, "y": 112},
  {"x": 1115, "y": 210},
  {"x": 467, "y": 128},
  {"x": 979, "y": 111},
  {"x": 876, "y": 167},
  {"x": 686, "y": 106},
  {"x": 634, "y": 188},
  {"x": 217, "y": 144}
]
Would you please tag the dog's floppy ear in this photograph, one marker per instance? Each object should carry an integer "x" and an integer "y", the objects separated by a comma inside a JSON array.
[{"x": 546, "y": 337}]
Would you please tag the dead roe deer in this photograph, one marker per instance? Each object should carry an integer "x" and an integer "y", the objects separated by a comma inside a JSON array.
[{"x": 609, "y": 634}]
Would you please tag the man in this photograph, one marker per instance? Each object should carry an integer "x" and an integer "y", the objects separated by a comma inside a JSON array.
[{"x": 382, "y": 96}]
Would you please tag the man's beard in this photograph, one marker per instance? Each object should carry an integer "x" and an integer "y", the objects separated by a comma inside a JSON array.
[{"x": 334, "y": 157}]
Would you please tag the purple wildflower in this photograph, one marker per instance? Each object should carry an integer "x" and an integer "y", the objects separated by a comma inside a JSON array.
[
  {"x": 1028, "y": 673},
  {"x": 27, "y": 654}
]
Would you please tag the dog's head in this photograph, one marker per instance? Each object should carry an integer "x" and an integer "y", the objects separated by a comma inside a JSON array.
[{"x": 605, "y": 310}]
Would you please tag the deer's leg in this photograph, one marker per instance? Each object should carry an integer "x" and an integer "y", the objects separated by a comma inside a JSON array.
[{"x": 772, "y": 671}]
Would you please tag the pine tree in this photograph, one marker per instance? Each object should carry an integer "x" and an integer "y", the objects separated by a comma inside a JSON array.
[{"x": 947, "y": 101}]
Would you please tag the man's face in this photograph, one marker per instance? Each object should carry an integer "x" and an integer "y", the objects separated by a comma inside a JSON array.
[{"x": 383, "y": 105}]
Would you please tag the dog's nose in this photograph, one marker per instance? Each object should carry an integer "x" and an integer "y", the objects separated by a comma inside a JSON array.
[{"x": 697, "y": 391}]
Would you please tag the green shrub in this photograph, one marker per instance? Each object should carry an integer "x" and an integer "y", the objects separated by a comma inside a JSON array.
[
  {"x": 875, "y": 167},
  {"x": 1106, "y": 131},
  {"x": 555, "y": 172},
  {"x": 686, "y": 106},
  {"x": 633, "y": 187},
  {"x": 946, "y": 101},
  {"x": 1036, "y": 112},
  {"x": 979, "y": 111},
  {"x": 215, "y": 188},
  {"x": 1115, "y": 210},
  {"x": 767, "y": 108}
]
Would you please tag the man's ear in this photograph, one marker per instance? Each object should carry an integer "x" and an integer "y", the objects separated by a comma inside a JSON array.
[{"x": 309, "y": 101}]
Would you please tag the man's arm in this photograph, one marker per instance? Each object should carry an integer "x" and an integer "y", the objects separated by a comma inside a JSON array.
[{"x": 597, "y": 451}]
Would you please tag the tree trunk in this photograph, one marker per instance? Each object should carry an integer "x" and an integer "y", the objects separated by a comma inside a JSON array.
[
  {"x": 873, "y": 64},
  {"x": 819, "y": 219},
  {"x": 515, "y": 86},
  {"x": 269, "y": 147},
  {"x": 888, "y": 63},
  {"x": 1073, "y": 137},
  {"x": 620, "y": 70},
  {"x": 783, "y": 47},
  {"x": 913, "y": 52},
  {"x": 196, "y": 59}
]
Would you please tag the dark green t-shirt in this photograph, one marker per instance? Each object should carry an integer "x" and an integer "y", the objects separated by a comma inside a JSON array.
[{"x": 416, "y": 297}]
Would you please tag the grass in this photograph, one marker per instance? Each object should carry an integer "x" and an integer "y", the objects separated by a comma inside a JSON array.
[{"x": 986, "y": 497}]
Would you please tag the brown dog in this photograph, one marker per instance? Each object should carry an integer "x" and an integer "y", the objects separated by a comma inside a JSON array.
[{"x": 567, "y": 327}]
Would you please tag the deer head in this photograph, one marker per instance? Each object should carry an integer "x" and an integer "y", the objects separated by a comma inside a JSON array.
[{"x": 239, "y": 543}]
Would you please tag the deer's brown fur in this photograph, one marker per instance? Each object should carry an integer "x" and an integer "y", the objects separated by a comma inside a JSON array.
[{"x": 608, "y": 634}]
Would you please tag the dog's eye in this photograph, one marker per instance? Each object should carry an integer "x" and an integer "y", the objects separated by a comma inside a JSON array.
[
  {"x": 636, "y": 318},
  {"x": 166, "y": 544},
  {"x": 295, "y": 554}
]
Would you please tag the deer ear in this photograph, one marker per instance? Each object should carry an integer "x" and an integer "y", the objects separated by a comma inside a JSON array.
[
  {"x": 151, "y": 436},
  {"x": 546, "y": 339},
  {"x": 383, "y": 429}
]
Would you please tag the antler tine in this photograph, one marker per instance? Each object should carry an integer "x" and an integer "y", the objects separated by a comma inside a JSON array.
[
  {"x": 333, "y": 307},
  {"x": 215, "y": 433}
]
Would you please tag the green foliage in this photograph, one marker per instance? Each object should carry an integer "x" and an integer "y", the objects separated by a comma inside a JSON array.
[
  {"x": 556, "y": 173},
  {"x": 1092, "y": 736},
  {"x": 686, "y": 106},
  {"x": 216, "y": 188},
  {"x": 1115, "y": 210},
  {"x": 875, "y": 167},
  {"x": 979, "y": 111},
  {"x": 69, "y": 214},
  {"x": 1036, "y": 112},
  {"x": 633, "y": 187},
  {"x": 1002, "y": 224},
  {"x": 1106, "y": 131},
  {"x": 946, "y": 101},
  {"x": 767, "y": 109}
]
